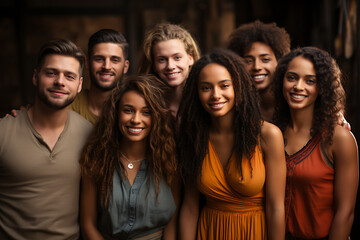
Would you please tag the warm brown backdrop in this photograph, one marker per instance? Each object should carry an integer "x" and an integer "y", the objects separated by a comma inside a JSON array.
[{"x": 26, "y": 24}]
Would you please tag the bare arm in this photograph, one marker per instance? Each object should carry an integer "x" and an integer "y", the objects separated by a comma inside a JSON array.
[
  {"x": 170, "y": 231},
  {"x": 189, "y": 213},
  {"x": 272, "y": 146},
  {"x": 345, "y": 157},
  {"x": 88, "y": 213}
]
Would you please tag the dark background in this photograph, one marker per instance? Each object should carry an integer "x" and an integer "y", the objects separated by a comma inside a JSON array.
[{"x": 26, "y": 24}]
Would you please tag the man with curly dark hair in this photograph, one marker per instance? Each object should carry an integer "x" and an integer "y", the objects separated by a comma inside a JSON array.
[{"x": 262, "y": 45}]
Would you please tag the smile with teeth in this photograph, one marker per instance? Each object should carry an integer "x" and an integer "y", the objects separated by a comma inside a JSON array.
[
  {"x": 133, "y": 130},
  {"x": 217, "y": 105},
  {"x": 259, "y": 78},
  {"x": 172, "y": 74},
  {"x": 297, "y": 97}
]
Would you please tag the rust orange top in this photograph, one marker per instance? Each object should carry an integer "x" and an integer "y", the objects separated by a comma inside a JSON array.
[{"x": 309, "y": 192}]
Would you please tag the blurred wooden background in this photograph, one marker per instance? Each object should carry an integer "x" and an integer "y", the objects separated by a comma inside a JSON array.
[{"x": 26, "y": 24}]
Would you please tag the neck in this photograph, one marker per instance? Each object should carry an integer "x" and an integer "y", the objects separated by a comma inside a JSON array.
[
  {"x": 224, "y": 124},
  {"x": 301, "y": 119},
  {"x": 267, "y": 104},
  {"x": 44, "y": 117},
  {"x": 96, "y": 99},
  {"x": 173, "y": 98},
  {"x": 134, "y": 150}
]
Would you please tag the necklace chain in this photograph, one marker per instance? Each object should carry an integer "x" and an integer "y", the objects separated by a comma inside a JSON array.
[{"x": 130, "y": 165}]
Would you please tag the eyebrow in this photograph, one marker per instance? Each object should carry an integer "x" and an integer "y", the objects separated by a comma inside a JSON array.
[
  {"x": 131, "y": 106},
  {"x": 225, "y": 80},
  {"x": 99, "y": 55},
  {"x": 309, "y": 75},
  {"x": 261, "y": 55},
  {"x": 57, "y": 70}
]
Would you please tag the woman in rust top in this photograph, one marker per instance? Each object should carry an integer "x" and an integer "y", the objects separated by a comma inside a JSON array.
[{"x": 321, "y": 156}]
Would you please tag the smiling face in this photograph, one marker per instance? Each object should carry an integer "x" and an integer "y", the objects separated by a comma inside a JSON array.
[
  {"x": 216, "y": 91},
  {"x": 171, "y": 61},
  {"x": 58, "y": 81},
  {"x": 134, "y": 117},
  {"x": 300, "y": 87},
  {"x": 261, "y": 63},
  {"x": 107, "y": 65}
]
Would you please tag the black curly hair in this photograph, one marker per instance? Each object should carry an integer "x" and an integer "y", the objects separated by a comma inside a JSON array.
[
  {"x": 331, "y": 98},
  {"x": 244, "y": 36},
  {"x": 194, "y": 121}
]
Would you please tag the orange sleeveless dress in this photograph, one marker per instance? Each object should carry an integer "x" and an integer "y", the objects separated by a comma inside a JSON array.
[{"x": 234, "y": 207}]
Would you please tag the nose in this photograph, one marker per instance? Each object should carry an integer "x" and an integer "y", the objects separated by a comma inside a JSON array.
[
  {"x": 257, "y": 65},
  {"x": 170, "y": 64},
  {"x": 60, "y": 79},
  {"x": 106, "y": 63},
  {"x": 299, "y": 85},
  {"x": 215, "y": 94},
  {"x": 136, "y": 118}
]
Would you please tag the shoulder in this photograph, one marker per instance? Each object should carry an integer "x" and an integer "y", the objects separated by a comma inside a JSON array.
[
  {"x": 343, "y": 139},
  {"x": 8, "y": 121},
  {"x": 270, "y": 131},
  {"x": 271, "y": 136},
  {"x": 77, "y": 121}
]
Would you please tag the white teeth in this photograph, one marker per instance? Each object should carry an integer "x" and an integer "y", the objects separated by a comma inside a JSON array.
[
  {"x": 297, "y": 96},
  {"x": 137, "y": 130},
  {"x": 259, "y": 76}
]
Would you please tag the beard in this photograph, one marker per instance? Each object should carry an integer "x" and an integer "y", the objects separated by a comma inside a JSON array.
[
  {"x": 54, "y": 104},
  {"x": 102, "y": 87}
]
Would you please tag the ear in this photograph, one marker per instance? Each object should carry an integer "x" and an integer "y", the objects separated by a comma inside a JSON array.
[
  {"x": 191, "y": 60},
  {"x": 35, "y": 77},
  {"x": 126, "y": 66},
  {"x": 80, "y": 84}
]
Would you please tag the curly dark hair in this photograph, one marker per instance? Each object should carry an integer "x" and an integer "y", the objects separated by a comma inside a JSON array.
[
  {"x": 194, "y": 121},
  {"x": 331, "y": 98},
  {"x": 101, "y": 153},
  {"x": 244, "y": 36}
]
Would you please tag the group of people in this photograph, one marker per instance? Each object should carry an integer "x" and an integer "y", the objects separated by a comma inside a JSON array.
[{"x": 246, "y": 142}]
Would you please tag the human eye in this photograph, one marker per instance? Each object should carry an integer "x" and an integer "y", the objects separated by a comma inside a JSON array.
[
  {"x": 50, "y": 73},
  {"x": 248, "y": 61},
  {"x": 161, "y": 60},
  {"x": 116, "y": 59},
  {"x": 266, "y": 59},
  {"x": 290, "y": 77},
  {"x": 205, "y": 88},
  {"x": 98, "y": 59},
  {"x": 311, "y": 81},
  {"x": 147, "y": 112},
  {"x": 178, "y": 57},
  {"x": 127, "y": 110},
  {"x": 225, "y": 85},
  {"x": 70, "y": 76}
]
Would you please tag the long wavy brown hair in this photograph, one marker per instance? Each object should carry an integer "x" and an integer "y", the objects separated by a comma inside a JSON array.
[
  {"x": 193, "y": 131},
  {"x": 331, "y": 98},
  {"x": 101, "y": 154}
]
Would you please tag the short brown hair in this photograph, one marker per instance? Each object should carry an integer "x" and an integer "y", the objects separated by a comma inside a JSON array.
[{"x": 62, "y": 47}]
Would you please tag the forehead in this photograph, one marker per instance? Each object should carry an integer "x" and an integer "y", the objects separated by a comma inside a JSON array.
[
  {"x": 108, "y": 49},
  {"x": 133, "y": 98},
  {"x": 214, "y": 72},
  {"x": 169, "y": 47},
  {"x": 61, "y": 63},
  {"x": 259, "y": 48},
  {"x": 301, "y": 65}
]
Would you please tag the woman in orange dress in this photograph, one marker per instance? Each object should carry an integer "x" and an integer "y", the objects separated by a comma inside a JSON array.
[
  {"x": 321, "y": 156},
  {"x": 229, "y": 154}
]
